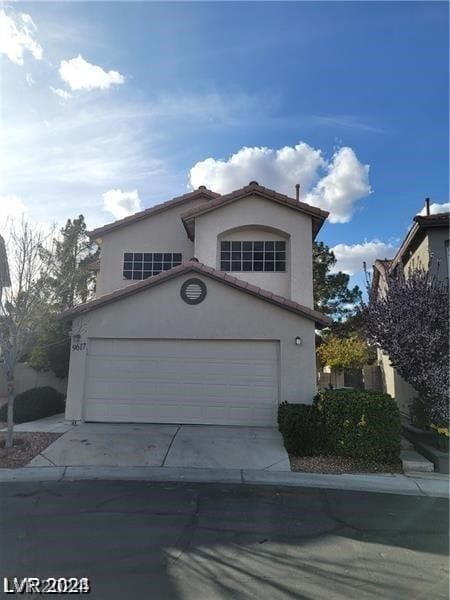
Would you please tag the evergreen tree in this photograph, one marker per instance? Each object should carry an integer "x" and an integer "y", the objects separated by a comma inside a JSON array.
[
  {"x": 332, "y": 295},
  {"x": 72, "y": 282},
  {"x": 73, "y": 279}
]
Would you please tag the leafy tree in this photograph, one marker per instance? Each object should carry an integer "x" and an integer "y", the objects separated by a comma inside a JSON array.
[
  {"x": 332, "y": 295},
  {"x": 343, "y": 353},
  {"x": 72, "y": 282},
  {"x": 51, "y": 350},
  {"x": 410, "y": 323},
  {"x": 23, "y": 301},
  {"x": 72, "y": 278}
]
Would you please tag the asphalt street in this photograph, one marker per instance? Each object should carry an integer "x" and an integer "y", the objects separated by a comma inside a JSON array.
[{"x": 181, "y": 541}]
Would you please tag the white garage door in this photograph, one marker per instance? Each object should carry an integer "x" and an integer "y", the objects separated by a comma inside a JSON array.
[{"x": 182, "y": 381}]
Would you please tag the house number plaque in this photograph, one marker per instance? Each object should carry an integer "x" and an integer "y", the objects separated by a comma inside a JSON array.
[{"x": 81, "y": 346}]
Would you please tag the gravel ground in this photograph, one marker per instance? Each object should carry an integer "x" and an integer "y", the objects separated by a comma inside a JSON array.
[
  {"x": 337, "y": 464},
  {"x": 26, "y": 446}
]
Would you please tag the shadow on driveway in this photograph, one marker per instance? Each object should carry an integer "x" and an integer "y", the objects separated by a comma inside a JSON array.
[{"x": 206, "y": 542}]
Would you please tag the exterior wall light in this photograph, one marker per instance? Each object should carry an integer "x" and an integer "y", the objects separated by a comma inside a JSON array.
[{"x": 298, "y": 341}]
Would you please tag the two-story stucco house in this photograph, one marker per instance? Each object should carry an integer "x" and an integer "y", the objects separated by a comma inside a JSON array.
[
  {"x": 427, "y": 240},
  {"x": 204, "y": 313}
]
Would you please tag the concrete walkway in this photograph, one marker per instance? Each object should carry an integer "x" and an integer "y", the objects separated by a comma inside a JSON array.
[
  {"x": 156, "y": 445},
  {"x": 194, "y": 453}
]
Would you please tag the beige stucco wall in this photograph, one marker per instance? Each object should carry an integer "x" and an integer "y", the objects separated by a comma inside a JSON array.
[
  {"x": 163, "y": 232},
  {"x": 394, "y": 385},
  {"x": 433, "y": 245},
  {"x": 225, "y": 313},
  {"x": 26, "y": 378},
  {"x": 419, "y": 258},
  {"x": 438, "y": 249},
  {"x": 255, "y": 213}
]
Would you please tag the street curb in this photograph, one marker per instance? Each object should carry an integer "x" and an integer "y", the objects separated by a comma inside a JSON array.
[{"x": 411, "y": 484}]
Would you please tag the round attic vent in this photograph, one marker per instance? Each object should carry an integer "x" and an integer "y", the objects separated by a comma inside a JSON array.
[{"x": 193, "y": 291}]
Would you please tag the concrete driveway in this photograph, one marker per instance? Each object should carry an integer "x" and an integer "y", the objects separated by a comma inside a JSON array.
[{"x": 203, "y": 446}]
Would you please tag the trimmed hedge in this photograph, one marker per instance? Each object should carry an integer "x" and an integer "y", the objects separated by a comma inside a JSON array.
[
  {"x": 419, "y": 413},
  {"x": 34, "y": 404},
  {"x": 300, "y": 428},
  {"x": 360, "y": 424}
]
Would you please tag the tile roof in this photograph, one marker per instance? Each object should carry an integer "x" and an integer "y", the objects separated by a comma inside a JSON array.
[
  {"x": 318, "y": 215},
  {"x": 196, "y": 267},
  {"x": 437, "y": 220},
  {"x": 201, "y": 192},
  {"x": 418, "y": 232}
]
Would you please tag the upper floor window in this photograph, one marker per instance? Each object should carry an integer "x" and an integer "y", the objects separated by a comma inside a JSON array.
[
  {"x": 253, "y": 256},
  {"x": 140, "y": 265}
]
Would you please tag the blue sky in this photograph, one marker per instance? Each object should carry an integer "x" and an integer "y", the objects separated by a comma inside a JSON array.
[{"x": 111, "y": 107}]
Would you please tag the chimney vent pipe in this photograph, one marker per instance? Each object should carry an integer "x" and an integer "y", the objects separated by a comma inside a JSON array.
[
  {"x": 427, "y": 205},
  {"x": 297, "y": 192}
]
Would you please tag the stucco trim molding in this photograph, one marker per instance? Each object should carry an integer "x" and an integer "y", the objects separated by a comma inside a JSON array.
[{"x": 283, "y": 234}]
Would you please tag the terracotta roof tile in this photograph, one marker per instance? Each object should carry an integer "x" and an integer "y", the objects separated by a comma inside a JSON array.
[
  {"x": 318, "y": 215},
  {"x": 207, "y": 269},
  {"x": 417, "y": 233},
  {"x": 196, "y": 267},
  {"x": 153, "y": 210},
  {"x": 436, "y": 220},
  {"x": 254, "y": 289},
  {"x": 279, "y": 299},
  {"x": 266, "y": 293}
]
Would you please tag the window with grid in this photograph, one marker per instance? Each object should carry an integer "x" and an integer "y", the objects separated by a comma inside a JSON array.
[
  {"x": 140, "y": 265},
  {"x": 253, "y": 256}
]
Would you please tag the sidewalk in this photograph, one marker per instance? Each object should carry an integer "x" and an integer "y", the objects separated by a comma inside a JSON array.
[
  {"x": 420, "y": 484},
  {"x": 190, "y": 469}
]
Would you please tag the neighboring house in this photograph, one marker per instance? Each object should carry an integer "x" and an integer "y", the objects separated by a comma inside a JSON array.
[
  {"x": 427, "y": 240},
  {"x": 204, "y": 313}
]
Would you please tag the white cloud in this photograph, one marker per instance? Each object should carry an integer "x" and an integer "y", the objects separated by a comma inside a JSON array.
[
  {"x": 16, "y": 37},
  {"x": 82, "y": 75},
  {"x": 350, "y": 258},
  {"x": 334, "y": 185},
  {"x": 280, "y": 169},
  {"x": 12, "y": 208},
  {"x": 61, "y": 93},
  {"x": 346, "y": 183},
  {"x": 29, "y": 79},
  {"x": 121, "y": 204},
  {"x": 436, "y": 208}
]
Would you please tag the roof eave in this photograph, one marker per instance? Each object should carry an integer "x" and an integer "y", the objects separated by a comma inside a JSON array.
[
  {"x": 189, "y": 225},
  {"x": 149, "y": 212},
  {"x": 318, "y": 216},
  {"x": 405, "y": 245},
  {"x": 319, "y": 319}
]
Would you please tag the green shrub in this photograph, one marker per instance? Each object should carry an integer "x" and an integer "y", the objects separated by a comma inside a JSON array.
[
  {"x": 360, "y": 424},
  {"x": 283, "y": 410},
  {"x": 419, "y": 413},
  {"x": 35, "y": 403},
  {"x": 300, "y": 428}
]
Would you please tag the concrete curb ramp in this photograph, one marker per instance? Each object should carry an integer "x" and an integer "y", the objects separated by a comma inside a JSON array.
[{"x": 419, "y": 484}]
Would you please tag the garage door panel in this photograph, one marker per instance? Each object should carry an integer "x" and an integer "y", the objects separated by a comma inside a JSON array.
[{"x": 182, "y": 381}]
